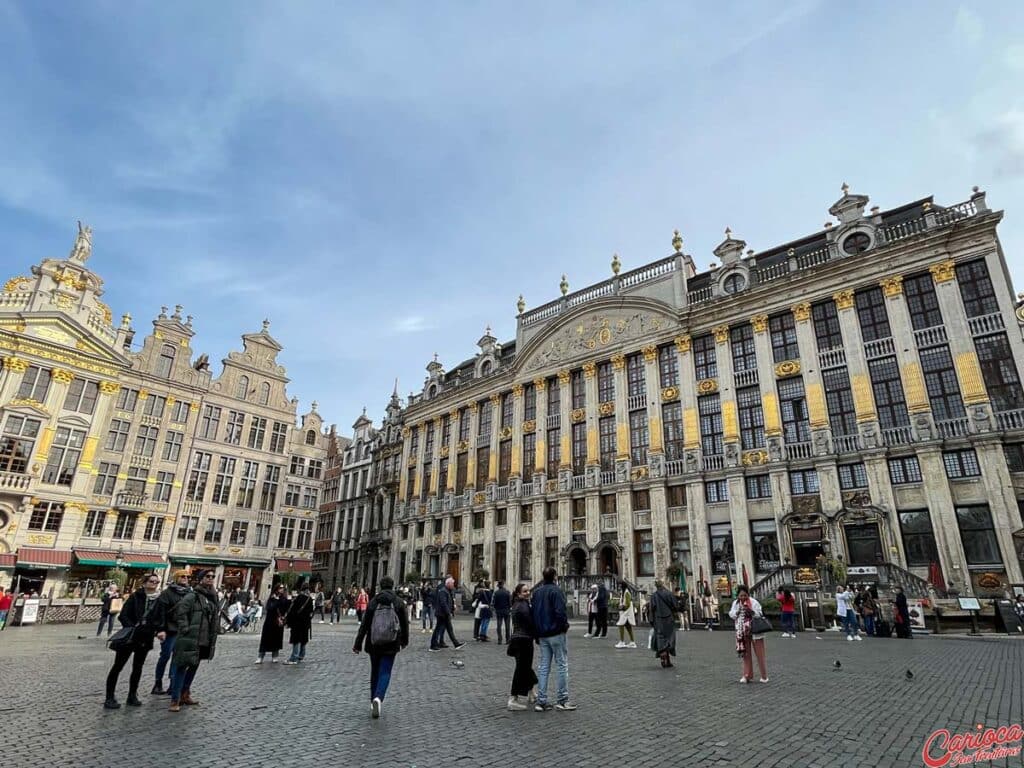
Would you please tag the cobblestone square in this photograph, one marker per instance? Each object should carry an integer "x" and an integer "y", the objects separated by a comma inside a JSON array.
[{"x": 810, "y": 714}]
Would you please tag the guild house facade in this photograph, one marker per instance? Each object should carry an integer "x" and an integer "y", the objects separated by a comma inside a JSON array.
[
  {"x": 115, "y": 453},
  {"x": 853, "y": 394}
]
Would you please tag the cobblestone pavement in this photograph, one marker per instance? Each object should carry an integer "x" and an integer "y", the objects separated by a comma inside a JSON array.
[{"x": 810, "y": 714}]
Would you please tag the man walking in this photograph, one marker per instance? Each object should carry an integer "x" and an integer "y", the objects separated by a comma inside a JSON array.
[
  {"x": 551, "y": 621},
  {"x": 383, "y": 632},
  {"x": 502, "y": 605},
  {"x": 336, "y": 605},
  {"x": 427, "y": 614},
  {"x": 167, "y": 627},
  {"x": 444, "y": 605},
  {"x": 601, "y": 604}
]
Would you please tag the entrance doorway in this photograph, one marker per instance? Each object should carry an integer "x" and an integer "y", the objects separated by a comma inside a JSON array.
[
  {"x": 808, "y": 545},
  {"x": 863, "y": 543},
  {"x": 578, "y": 562},
  {"x": 454, "y": 567},
  {"x": 608, "y": 559}
]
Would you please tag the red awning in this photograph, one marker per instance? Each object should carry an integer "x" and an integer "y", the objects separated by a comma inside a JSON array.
[
  {"x": 283, "y": 564},
  {"x": 45, "y": 558},
  {"x": 8, "y": 561},
  {"x": 144, "y": 558}
]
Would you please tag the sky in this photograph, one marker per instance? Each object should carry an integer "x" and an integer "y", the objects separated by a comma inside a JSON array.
[{"x": 382, "y": 181}]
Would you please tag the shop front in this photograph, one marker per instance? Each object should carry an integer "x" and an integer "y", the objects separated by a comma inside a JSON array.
[
  {"x": 290, "y": 569},
  {"x": 38, "y": 569},
  {"x": 244, "y": 575},
  {"x": 90, "y": 571}
]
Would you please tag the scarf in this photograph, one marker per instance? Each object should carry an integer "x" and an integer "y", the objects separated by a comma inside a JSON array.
[{"x": 744, "y": 616}]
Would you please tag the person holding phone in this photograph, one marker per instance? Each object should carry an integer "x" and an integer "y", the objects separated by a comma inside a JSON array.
[{"x": 744, "y": 609}]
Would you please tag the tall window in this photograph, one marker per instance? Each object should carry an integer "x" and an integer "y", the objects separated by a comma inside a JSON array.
[
  {"x": 262, "y": 535},
  {"x": 106, "y": 478},
  {"x": 704, "y": 360},
  {"x": 65, "y": 452},
  {"x": 709, "y": 408},
  {"x": 508, "y": 403},
  {"x": 981, "y": 548},
  {"x": 236, "y": 421},
  {"x": 579, "y": 448},
  {"x": 486, "y": 419},
  {"x": 888, "y": 391},
  {"x": 976, "y": 288},
  {"x": 839, "y": 401},
  {"x": 442, "y": 474},
  {"x": 265, "y": 393},
  {"x": 871, "y": 312},
  {"x": 17, "y": 442},
  {"x": 554, "y": 396},
  {"x": 46, "y": 516},
  {"x": 198, "y": 476},
  {"x": 124, "y": 526},
  {"x": 464, "y": 424},
  {"x": 748, "y": 405},
  {"x": 744, "y": 354},
  {"x": 242, "y": 388},
  {"x": 526, "y": 559},
  {"x": 154, "y": 406},
  {"x": 554, "y": 452},
  {"x": 605, "y": 383},
  {"x": 187, "y": 528},
  {"x": 127, "y": 399},
  {"x": 209, "y": 424},
  {"x": 922, "y": 303},
  {"x": 672, "y": 424},
  {"x": 239, "y": 530},
  {"x": 305, "y": 537},
  {"x": 136, "y": 482},
  {"x": 94, "y": 520},
  {"x": 117, "y": 435},
  {"x": 286, "y": 534},
  {"x": 793, "y": 405},
  {"x": 461, "y": 471},
  {"x": 783, "y": 333},
  {"x": 765, "y": 538},
  {"x": 162, "y": 488},
  {"x": 579, "y": 389},
  {"x": 999, "y": 372},
  {"x": 81, "y": 396},
  {"x": 607, "y": 442},
  {"x": 827, "y": 330},
  {"x": 941, "y": 383},
  {"x": 225, "y": 477},
  {"x": 639, "y": 437},
  {"x": 428, "y": 439},
  {"x": 722, "y": 552},
  {"x": 145, "y": 440},
  {"x": 679, "y": 547},
  {"x": 504, "y": 461},
  {"x": 529, "y": 402},
  {"x": 446, "y": 429},
  {"x": 179, "y": 413},
  {"x": 918, "y": 538},
  {"x": 668, "y": 366},
  {"x": 35, "y": 383},
  {"x": 483, "y": 459},
  {"x": 154, "y": 528},
  {"x": 645, "y": 553},
  {"x": 247, "y": 484},
  {"x": 165, "y": 363},
  {"x": 635, "y": 384},
  {"x": 257, "y": 433},
  {"x": 428, "y": 478},
  {"x": 278, "y": 437},
  {"x": 529, "y": 453}
]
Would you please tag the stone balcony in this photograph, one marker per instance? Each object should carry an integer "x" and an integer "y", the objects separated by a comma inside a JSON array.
[{"x": 14, "y": 482}]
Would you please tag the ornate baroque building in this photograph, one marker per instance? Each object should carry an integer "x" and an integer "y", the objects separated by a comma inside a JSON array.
[
  {"x": 112, "y": 454},
  {"x": 854, "y": 393}
]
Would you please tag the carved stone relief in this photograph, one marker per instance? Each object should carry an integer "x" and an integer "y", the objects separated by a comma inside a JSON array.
[{"x": 591, "y": 332}]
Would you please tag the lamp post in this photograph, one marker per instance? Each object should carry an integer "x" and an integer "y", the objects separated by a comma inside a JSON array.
[{"x": 119, "y": 558}]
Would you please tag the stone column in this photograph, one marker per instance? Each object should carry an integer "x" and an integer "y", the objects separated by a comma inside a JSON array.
[
  {"x": 766, "y": 380},
  {"x": 659, "y": 530},
  {"x": 593, "y": 419},
  {"x": 740, "y": 522},
  {"x": 961, "y": 346},
  {"x": 516, "y": 472},
  {"x": 421, "y": 451},
  {"x": 437, "y": 483},
  {"x": 782, "y": 505},
  {"x": 918, "y": 405},
  {"x": 453, "y": 454},
  {"x": 727, "y": 395},
  {"x": 857, "y": 370},
  {"x": 817, "y": 411},
  {"x": 493, "y": 452},
  {"x": 565, "y": 470},
  {"x": 622, "y": 462},
  {"x": 593, "y": 531},
  {"x": 700, "y": 540},
  {"x": 1002, "y": 500},
  {"x": 688, "y": 398},
  {"x": 407, "y": 461},
  {"x": 538, "y": 536},
  {"x": 939, "y": 500},
  {"x": 656, "y": 447},
  {"x": 14, "y": 370},
  {"x": 880, "y": 488},
  {"x": 540, "y": 462},
  {"x": 474, "y": 426},
  {"x": 624, "y": 509}
]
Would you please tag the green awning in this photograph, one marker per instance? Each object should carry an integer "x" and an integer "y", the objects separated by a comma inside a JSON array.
[
  {"x": 179, "y": 560},
  {"x": 246, "y": 563},
  {"x": 96, "y": 561}
]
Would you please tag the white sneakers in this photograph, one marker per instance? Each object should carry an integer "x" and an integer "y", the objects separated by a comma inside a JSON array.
[
  {"x": 788, "y": 634},
  {"x": 631, "y": 645},
  {"x": 858, "y": 638},
  {"x": 588, "y": 635},
  {"x": 764, "y": 679},
  {"x": 515, "y": 705},
  {"x": 258, "y": 661},
  {"x": 620, "y": 644},
  {"x": 375, "y": 708},
  {"x": 743, "y": 679}
]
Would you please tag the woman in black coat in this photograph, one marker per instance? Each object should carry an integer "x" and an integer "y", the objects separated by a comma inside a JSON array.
[
  {"x": 272, "y": 634},
  {"x": 135, "y": 613},
  {"x": 300, "y": 618},
  {"x": 520, "y": 646},
  {"x": 382, "y": 655}
]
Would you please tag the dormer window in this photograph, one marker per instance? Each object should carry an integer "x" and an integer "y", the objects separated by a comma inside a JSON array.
[
  {"x": 264, "y": 393},
  {"x": 311, "y": 437},
  {"x": 165, "y": 364},
  {"x": 242, "y": 391},
  {"x": 734, "y": 283},
  {"x": 858, "y": 242}
]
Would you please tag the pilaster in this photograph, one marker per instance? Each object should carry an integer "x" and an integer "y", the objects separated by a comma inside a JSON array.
[
  {"x": 740, "y": 521},
  {"x": 857, "y": 370},
  {"x": 727, "y": 396},
  {"x": 688, "y": 399},
  {"x": 652, "y": 380},
  {"x": 918, "y": 405},
  {"x": 821, "y": 433}
]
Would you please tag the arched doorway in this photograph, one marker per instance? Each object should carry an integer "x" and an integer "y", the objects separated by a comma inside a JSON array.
[
  {"x": 578, "y": 562},
  {"x": 608, "y": 559}
]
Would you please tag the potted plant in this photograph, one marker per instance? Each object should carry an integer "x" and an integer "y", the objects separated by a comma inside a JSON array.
[
  {"x": 413, "y": 577},
  {"x": 480, "y": 574}
]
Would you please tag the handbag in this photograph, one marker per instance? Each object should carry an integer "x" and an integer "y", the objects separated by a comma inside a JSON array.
[
  {"x": 759, "y": 625},
  {"x": 116, "y": 604},
  {"x": 122, "y": 640}
]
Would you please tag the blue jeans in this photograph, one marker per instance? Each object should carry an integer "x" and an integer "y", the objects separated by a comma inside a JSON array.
[
  {"x": 427, "y": 614},
  {"x": 380, "y": 674},
  {"x": 109, "y": 618},
  {"x": 298, "y": 652},
  {"x": 335, "y": 613},
  {"x": 789, "y": 622},
  {"x": 166, "y": 651},
  {"x": 556, "y": 648},
  {"x": 485, "y": 624},
  {"x": 850, "y": 622},
  {"x": 3, "y": 617},
  {"x": 181, "y": 680},
  {"x": 869, "y": 623}
]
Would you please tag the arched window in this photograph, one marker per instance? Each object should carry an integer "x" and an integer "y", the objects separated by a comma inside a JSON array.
[
  {"x": 311, "y": 437},
  {"x": 242, "y": 392},
  {"x": 734, "y": 283},
  {"x": 165, "y": 364},
  {"x": 485, "y": 367},
  {"x": 264, "y": 393}
]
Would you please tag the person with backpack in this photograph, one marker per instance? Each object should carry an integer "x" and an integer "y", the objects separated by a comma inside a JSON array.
[
  {"x": 383, "y": 632},
  {"x": 300, "y": 620}
]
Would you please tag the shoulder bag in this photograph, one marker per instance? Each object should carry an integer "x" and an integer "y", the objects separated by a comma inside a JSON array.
[{"x": 759, "y": 625}]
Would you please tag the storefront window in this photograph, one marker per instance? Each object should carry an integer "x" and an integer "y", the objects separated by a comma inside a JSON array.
[
  {"x": 722, "y": 553},
  {"x": 765, "y": 538}
]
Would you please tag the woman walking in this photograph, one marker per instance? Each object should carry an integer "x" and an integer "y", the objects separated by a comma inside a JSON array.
[
  {"x": 710, "y": 609},
  {"x": 868, "y": 609},
  {"x": 109, "y": 609},
  {"x": 901, "y": 615},
  {"x": 136, "y": 614},
  {"x": 300, "y": 619},
  {"x": 627, "y": 618},
  {"x": 744, "y": 610},
  {"x": 362, "y": 600},
  {"x": 272, "y": 634},
  {"x": 787, "y": 603},
  {"x": 591, "y": 610},
  {"x": 520, "y": 647},
  {"x": 383, "y": 641},
  {"x": 196, "y": 616},
  {"x": 663, "y": 622}
]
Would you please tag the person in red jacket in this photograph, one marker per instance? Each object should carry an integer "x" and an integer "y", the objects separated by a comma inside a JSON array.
[
  {"x": 788, "y": 605},
  {"x": 6, "y": 601}
]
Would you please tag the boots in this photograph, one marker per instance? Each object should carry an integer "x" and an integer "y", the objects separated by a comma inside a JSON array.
[
  {"x": 133, "y": 699},
  {"x": 175, "y": 706},
  {"x": 111, "y": 703},
  {"x": 186, "y": 698}
]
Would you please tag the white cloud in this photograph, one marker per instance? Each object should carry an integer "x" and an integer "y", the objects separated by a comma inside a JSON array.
[
  {"x": 968, "y": 25},
  {"x": 412, "y": 324},
  {"x": 1003, "y": 144}
]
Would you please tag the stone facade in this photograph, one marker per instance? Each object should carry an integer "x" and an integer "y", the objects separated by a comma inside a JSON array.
[
  {"x": 853, "y": 394},
  {"x": 111, "y": 453}
]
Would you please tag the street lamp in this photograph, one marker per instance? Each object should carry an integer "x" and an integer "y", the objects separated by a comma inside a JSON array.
[{"x": 119, "y": 558}]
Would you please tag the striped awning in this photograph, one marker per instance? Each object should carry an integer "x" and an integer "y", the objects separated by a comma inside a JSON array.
[
  {"x": 8, "y": 560},
  {"x": 108, "y": 558},
  {"x": 44, "y": 558}
]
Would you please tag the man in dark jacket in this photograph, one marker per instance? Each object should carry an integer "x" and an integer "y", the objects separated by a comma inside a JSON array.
[
  {"x": 196, "y": 617},
  {"x": 551, "y": 621},
  {"x": 502, "y": 604},
  {"x": 167, "y": 630},
  {"x": 601, "y": 604},
  {"x": 444, "y": 606},
  {"x": 427, "y": 614},
  {"x": 383, "y": 652}
]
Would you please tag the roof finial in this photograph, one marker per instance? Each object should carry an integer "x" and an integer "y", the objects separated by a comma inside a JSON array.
[
  {"x": 266, "y": 325},
  {"x": 845, "y": 188},
  {"x": 521, "y": 304},
  {"x": 616, "y": 264},
  {"x": 728, "y": 234},
  {"x": 313, "y": 406},
  {"x": 564, "y": 285},
  {"x": 487, "y": 331},
  {"x": 435, "y": 357},
  {"x": 677, "y": 241},
  {"x": 394, "y": 392}
]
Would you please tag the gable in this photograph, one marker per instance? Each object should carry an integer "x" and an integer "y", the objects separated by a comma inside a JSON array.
[{"x": 61, "y": 341}]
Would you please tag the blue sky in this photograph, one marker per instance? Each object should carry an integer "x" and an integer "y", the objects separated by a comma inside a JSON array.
[{"x": 383, "y": 182}]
